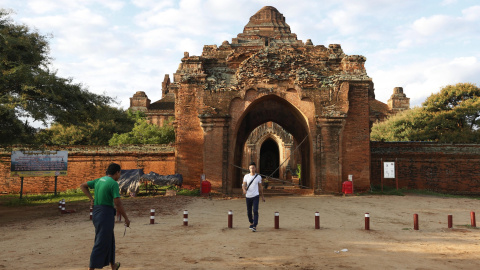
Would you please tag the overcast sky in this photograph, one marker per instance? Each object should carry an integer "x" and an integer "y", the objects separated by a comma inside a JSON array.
[{"x": 118, "y": 47}]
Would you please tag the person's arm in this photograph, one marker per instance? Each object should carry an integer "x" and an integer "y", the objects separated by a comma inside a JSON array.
[
  {"x": 244, "y": 187},
  {"x": 260, "y": 190},
  {"x": 86, "y": 190},
  {"x": 119, "y": 206}
]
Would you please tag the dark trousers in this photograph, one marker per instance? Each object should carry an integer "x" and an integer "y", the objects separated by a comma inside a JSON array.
[
  {"x": 103, "y": 252},
  {"x": 252, "y": 206}
]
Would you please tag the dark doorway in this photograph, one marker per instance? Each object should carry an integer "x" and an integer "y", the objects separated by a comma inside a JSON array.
[{"x": 269, "y": 158}]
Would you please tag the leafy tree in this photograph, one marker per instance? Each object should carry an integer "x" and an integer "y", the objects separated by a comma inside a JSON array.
[
  {"x": 146, "y": 133},
  {"x": 30, "y": 90},
  {"x": 452, "y": 115},
  {"x": 97, "y": 131}
]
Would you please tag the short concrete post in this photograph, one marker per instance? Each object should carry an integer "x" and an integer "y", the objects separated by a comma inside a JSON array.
[
  {"x": 185, "y": 218},
  {"x": 367, "y": 221},
  {"x": 152, "y": 216},
  {"x": 230, "y": 219},
  {"x": 277, "y": 220},
  {"x": 472, "y": 219},
  {"x": 415, "y": 222}
]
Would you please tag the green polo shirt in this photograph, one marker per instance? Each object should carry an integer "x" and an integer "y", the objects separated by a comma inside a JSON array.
[{"x": 106, "y": 189}]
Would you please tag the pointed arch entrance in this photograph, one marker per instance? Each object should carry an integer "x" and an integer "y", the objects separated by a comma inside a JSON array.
[{"x": 276, "y": 109}]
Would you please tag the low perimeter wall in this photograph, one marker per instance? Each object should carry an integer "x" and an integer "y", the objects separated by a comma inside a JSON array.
[
  {"x": 448, "y": 168},
  {"x": 87, "y": 163}
]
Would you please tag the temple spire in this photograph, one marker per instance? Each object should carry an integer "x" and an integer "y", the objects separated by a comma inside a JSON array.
[{"x": 267, "y": 27}]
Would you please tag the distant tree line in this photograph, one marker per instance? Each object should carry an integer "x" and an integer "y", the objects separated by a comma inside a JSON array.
[
  {"x": 450, "y": 116},
  {"x": 31, "y": 91}
]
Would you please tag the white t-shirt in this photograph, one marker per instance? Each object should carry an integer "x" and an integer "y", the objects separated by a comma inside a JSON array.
[{"x": 253, "y": 189}]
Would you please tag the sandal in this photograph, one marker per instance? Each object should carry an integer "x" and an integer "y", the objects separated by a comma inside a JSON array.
[{"x": 117, "y": 264}]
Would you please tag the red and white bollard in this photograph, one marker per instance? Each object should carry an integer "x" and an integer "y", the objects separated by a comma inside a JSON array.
[
  {"x": 415, "y": 222},
  {"x": 60, "y": 206},
  {"x": 152, "y": 216},
  {"x": 472, "y": 220},
  {"x": 185, "y": 218},
  {"x": 317, "y": 220},
  {"x": 230, "y": 219},
  {"x": 91, "y": 213},
  {"x": 450, "y": 221},
  {"x": 63, "y": 206},
  {"x": 367, "y": 221},
  {"x": 277, "y": 220}
]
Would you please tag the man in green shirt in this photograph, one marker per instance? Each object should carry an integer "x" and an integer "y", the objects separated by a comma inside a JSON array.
[{"x": 107, "y": 198}]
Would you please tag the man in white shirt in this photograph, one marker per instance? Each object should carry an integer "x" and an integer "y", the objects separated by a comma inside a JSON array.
[{"x": 252, "y": 189}]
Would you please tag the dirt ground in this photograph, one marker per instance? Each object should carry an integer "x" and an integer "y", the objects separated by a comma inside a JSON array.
[{"x": 40, "y": 238}]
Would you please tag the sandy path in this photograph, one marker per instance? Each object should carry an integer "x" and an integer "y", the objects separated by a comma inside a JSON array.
[{"x": 46, "y": 240}]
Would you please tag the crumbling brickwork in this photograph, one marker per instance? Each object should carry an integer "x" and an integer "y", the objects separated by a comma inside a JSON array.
[{"x": 318, "y": 94}]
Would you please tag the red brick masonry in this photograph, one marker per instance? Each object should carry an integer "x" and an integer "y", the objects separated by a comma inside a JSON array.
[
  {"x": 87, "y": 163},
  {"x": 451, "y": 168},
  {"x": 438, "y": 167}
]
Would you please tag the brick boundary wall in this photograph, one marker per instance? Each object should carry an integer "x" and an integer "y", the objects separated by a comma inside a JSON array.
[
  {"x": 449, "y": 168},
  {"x": 87, "y": 163},
  {"x": 446, "y": 168}
]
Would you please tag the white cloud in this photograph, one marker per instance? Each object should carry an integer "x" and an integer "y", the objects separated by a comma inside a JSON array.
[
  {"x": 113, "y": 5},
  {"x": 433, "y": 25},
  {"x": 448, "y": 2},
  {"x": 122, "y": 46},
  {"x": 443, "y": 27},
  {"x": 472, "y": 14},
  {"x": 421, "y": 79}
]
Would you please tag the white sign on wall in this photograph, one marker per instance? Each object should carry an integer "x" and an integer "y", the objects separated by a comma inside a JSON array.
[{"x": 389, "y": 170}]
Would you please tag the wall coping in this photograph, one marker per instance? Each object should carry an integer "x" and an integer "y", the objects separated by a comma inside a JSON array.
[
  {"x": 97, "y": 150},
  {"x": 423, "y": 148}
]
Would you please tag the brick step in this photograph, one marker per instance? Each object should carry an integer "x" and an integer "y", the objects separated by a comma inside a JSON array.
[
  {"x": 279, "y": 192},
  {"x": 282, "y": 187},
  {"x": 276, "y": 192}
]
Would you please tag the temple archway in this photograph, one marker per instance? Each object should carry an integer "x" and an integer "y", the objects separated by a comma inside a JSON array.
[{"x": 278, "y": 110}]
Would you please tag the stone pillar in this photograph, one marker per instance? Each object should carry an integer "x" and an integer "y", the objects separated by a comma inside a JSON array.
[
  {"x": 215, "y": 150},
  {"x": 288, "y": 154},
  {"x": 329, "y": 153},
  {"x": 251, "y": 155},
  {"x": 189, "y": 136}
]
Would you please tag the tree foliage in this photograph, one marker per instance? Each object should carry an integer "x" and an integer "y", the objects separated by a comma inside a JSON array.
[
  {"x": 146, "y": 133},
  {"x": 451, "y": 116},
  {"x": 31, "y": 90},
  {"x": 94, "y": 131}
]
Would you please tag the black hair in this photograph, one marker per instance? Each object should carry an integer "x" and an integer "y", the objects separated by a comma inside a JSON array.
[
  {"x": 252, "y": 163},
  {"x": 113, "y": 168}
]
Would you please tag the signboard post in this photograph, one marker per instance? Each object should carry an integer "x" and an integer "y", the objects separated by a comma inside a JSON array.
[
  {"x": 388, "y": 171},
  {"x": 38, "y": 164},
  {"x": 21, "y": 187}
]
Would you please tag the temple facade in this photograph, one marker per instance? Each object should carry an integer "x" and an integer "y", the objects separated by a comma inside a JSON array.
[{"x": 268, "y": 97}]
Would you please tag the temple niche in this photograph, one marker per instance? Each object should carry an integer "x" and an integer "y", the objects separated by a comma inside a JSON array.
[{"x": 271, "y": 147}]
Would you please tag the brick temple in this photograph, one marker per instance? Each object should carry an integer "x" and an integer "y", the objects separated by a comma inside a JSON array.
[{"x": 268, "y": 97}]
